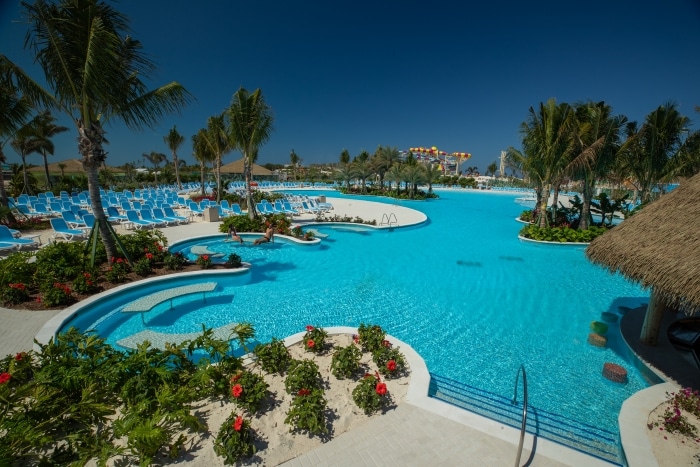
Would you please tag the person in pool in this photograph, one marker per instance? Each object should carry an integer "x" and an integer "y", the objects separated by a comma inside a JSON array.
[
  {"x": 268, "y": 237},
  {"x": 233, "y": 235}
]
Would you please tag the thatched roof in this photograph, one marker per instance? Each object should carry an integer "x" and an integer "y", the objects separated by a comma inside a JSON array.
[
  {"x": 71, "y": 166},
  {"x": 659, "y": 247},
  {"x": 236, "y": 167}
]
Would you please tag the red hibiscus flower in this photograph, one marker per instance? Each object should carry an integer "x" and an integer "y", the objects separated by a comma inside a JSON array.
[
  {"x": 386, "y": 343},
  {"x": 205, "y": 257},
  {"x": 380, "y": 389},
  {"x": 304, "y": 392},
  {"x": 310, "y": 343},
  {"x": 237, "y": 390},
  {"x": 238, "y": 424},
  {"x": 391, "y": 365},
  {"x": 4, "y": 377},
  {"x": 356, "y": 338},
  {"x": 309, "y": 327},
  {"x": 149, "y": 256},
  {"x": 236, "y": 378},
  {"x": 18, "y": 357}
]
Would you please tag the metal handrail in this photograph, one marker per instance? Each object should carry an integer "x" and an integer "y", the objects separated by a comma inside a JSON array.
[{"x": 515, "y": 399}]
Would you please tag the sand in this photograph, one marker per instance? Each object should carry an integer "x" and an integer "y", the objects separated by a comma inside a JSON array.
[{"x": 673, "y": 449}]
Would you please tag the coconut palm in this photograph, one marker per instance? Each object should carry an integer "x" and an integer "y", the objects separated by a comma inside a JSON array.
[
  {"x": 362, "y": 169},
  {"x": 202, "y": 153},
  {"x": 44, "y": 130},
  {"x": 174, "y": 140},
  {"x": 249, "y": 127},
  {"x": 547, "y": 145},
  {"x": 432, "y": 174},
  {"x": 98, "y": 73},
  {"x": 383, "y": 159},
  {"x": 294, "y": 160},
  {"x": 413, "y": 175},
  {"x": 155, "y": 158},
  {"x": 345, "y": 173},
  {"x": 395, "y": 174},
  {"x": 218, "y": 140},
  {"x": 24, "y": 143}
]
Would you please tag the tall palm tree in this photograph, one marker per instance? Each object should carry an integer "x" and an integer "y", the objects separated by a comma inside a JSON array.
[
  {"x": 249, "y": 127},
  {"x": 45, "y": 129},
  {"x": 345, "y": 173},
  {"x": 413, "y": 175},
  {"x": 362, "y": 169},
  {"x": 98, "y": 73},
  {"x": 432, "y": 174},
  {"x": 547, "y": 144},
  {"x": 294, "y": 160},
  {"x": 202, "y": 153},
  {"x": 395, "y": 174},
  {"x": 219, "y": 142},
  {"x": 382, "y": 161},
  {"x": 344, "y": 157},
  {"x": 24, "y": 143},
  {"x": 174, "y": 140},
  {"x": 155, "y": 158}
]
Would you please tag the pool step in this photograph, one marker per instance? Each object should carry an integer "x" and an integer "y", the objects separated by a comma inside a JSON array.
[
  {"x": 571, "y": 433},
  {"x": 149, "y": 302}
]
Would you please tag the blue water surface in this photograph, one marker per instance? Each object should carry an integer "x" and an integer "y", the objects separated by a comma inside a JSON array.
[{"x": 461, "y": 289}]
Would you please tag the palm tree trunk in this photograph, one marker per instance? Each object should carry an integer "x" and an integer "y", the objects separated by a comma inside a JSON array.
[
  {"x": 248, "y": 193},
  {"x": 201, "y": 177},
  {"x": 555, "y": 203},
  {"x": 177, "y": 172},
  {"x": 218, "y": 179},
  {"x": 587, "y": 192},
  {"x": 25, "y": 174},
  {"x": 46, "y": 170},
  {"x": 543, "y": 221}
]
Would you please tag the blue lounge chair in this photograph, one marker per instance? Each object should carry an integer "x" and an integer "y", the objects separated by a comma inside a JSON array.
[
  {"x": 7, "y": 237},
  {"x": 194, "y": 210},
  {"x": 135, "y": 221},
  {"x": 170, "y": 213},
  {"x": 61, "y": 229},
  {"x": 158, "y": 214},
  {"x": 72, "y": 220},
  {"x": 236, "y": 208},
  {"x": 114, "y": 216},
  {"x": 147, "y": 216}
]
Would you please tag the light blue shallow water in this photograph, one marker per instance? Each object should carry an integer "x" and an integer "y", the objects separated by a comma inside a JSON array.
[{"x": 471, "y": 298}]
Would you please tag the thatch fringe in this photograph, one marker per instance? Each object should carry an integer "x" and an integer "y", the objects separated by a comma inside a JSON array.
[{"x": 659, "y": 247}]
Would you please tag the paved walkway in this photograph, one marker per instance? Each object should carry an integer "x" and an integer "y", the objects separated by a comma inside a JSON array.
[{"x": 421, "y": 431}]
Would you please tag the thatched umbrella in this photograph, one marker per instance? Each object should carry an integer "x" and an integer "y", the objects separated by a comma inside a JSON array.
[
  {"x": 659, "y": 248},
  {"x": 236, "y": 167},
  {"x": 68, "y": 166}
]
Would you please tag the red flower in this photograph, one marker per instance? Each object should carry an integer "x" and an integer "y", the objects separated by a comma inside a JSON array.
[
  {"x": 38, "y": 299},
  {"x": 119, "y": 260},
  {"x": 386, "y": 343},
  {"x": 18, "y": 286},
  {"x": 391, "y": 365},
  {"x": 236, "y": 378},
  {"x": 304, "y": 392},
  {"x": 205, "y": 257},
  {"x": 380, "y": 389},
  {"x": 19, "y": 356},
  {"x": 149, "y": 256},
  {"x": 238, "y": 423},
  {"x": 237, "y": 390},
  {"x": 309, "y": 327},
  {"x": 86, "y": 275},
  {"x": 356, "y": 338},
  {"x": 310, "y": 343},
  {"x": 4, "y": 378}
]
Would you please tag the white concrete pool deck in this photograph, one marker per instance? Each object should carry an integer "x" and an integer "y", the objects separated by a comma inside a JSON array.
[{"x": 420, "y": 431}]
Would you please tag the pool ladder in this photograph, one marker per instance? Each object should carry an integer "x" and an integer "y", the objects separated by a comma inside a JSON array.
[
  {"x": 515, "y": 400},
  {"x": 389, "y": 219}
]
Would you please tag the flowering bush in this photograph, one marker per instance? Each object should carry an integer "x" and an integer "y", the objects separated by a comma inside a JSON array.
[
  {"x": 14, "y": 293},
  {"x": 302, "y": 374},
  {"x": 673, "y": 420},
  {"x": 56, "y": 294},
  {"x": 371, "y": 336},
  {"x": 174, "y": 261},
  {"x": 143, "y": 267},
  {"x": 370, "y": 394},
  {"x": 307, "y": 411},
  {"x": 248, "y": 390},
  {"x": 204, "y": 261},
  {"x": 345, "y": 361},
  {"x": 234, "y": 261},
  {"x": 234, "y": 440},
  {"x": 390, "y": 361},
  {"x": 117, "y": 271},
  {"x": 85, "y": 284},
  {"x": 314, "y": 339},
  {"x": 273, "y": 357}
]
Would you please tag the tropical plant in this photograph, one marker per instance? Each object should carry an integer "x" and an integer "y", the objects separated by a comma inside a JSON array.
[
  {"x": 235, "y": 439},
  {"x": 45, "y": 129},
  {"x": 362, "y": 169},
  {"x": 345, "y": 361},
  {"x": 219, "y": 143},
  {"x": 155, "y": 158},
  {"x": 370, "y": 394},
  {"x": 249, "y": 127},
  {"x": 314, "y": 339},
  {"x": 248, "y": 390},
  {"x": 307, "y": 412},
  {"x": 302, "y": 374},
  {"x": 294, "y": 161},
  {"x": 273, "y": 357},
  {"x": 106, "y": 80},
  {"x": 204, "y": 261},
  {"x": 413, "y": 175},
  {"x": 371, "y": 337},
  {"x": 390, "y": 361},
  {"x": 202, "y": 151},
  {"x": 174, "y": 140}
]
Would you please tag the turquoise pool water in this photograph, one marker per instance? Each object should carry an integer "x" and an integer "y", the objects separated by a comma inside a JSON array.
[{"x": 470, "y": 297}]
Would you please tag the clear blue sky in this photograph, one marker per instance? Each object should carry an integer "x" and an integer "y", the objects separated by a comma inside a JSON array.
[{"x": 357, "y": 74}]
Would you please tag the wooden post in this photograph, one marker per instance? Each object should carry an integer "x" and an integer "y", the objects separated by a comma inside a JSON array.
[{"x": 652, "y": 319}]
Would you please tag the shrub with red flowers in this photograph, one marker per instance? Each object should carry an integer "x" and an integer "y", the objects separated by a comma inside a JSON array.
[
  {"x": 371, "y": 337},
  {"x": 204, "y": 261},
  {"x": 235, "y": 439},
  {"x": 174, "y": 261},
  {"x": 390, "y": 361},
  {"x": 302, "y": 374},
  {"x": 308, "y": 411},
  {"x": 117, "y": 271},
  {"x": 346, "y": 361},
  {"x": 85, "y": 284},
  {"x": 314, "y": 339},
  {"x": 674, "y": 418},
  {"x": 370, "y": 394},
  {"x": 55, "y": 294},
  {"x": 248, "y": 390},
  {"x": 144, "y": 266},
  {"x": 14, "y": 293},
  {"x": 5, "y": 377}
]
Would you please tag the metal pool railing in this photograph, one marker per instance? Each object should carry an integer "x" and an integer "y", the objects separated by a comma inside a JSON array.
[{"x": 574, "y": 434}]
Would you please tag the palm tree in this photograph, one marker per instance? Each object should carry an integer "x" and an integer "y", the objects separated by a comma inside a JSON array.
[
  {"x": 174, "y": 140},
  {"x": 432, "y": 174},
  {"x": 362, "y": 169},
  {"x": 491, "y": 168},
  {"x": 202, "y": 153},
  {"x": 547, "y": 144},
  {"x": 294, "y": 160},
  {"x": 45, "y": 129},
  {"x": 383, "y": 159},
  {"x": 345, "y": 157},
  {"x": 249, "y": 127},
  {"x": 345, "y": 173},
  {"x": 217, "y": 138},
  {"x": 395, "y": 174},
  {"x": 155, "y": 158},
  {"x": 105, "y": 80},
  {"x": 413, "y": 175},
  {"x": 24, "y": 143}
]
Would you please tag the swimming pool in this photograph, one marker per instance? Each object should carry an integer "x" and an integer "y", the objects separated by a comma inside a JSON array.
[{"x": 461, "y": 289}]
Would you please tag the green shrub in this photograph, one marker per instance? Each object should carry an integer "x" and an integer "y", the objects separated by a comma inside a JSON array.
[
  {"x": 390, "y": 361},
  {"x": 314, "y": 340},
  {"x": 302, "y": 374},
  {"x": 14, "y": 293},
  {"x": 117, "y": 271},
  {"x": 174, "y": 261},
  {"x": 346, "y": 361},
  {"x": 16, "y": 268},
  {"x": 140, "y": 242},
  {"x": 370, "y": 394},
  {"x": 204, "y": 261},
  {"x": 234, "y": 441},
  {"x": 62, "y": 261},
  {"x": 55, "y": 294},
  {"x": 143, "y": 267},
  {"x": 561, "y": 234},
  {"x": 248, "y": 390},
  {"x": 307, "y": 412},
  {"x": 273, "y": 357},
  {"x": 234, "y": 261},
  {"x": 371, "y": 337},
  {"x": 85, "y": 284}
]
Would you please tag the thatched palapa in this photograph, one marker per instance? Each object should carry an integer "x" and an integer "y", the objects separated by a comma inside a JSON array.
[
  {"x": 236, "y": 167},
  {"x": 659, "y": 248}
]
